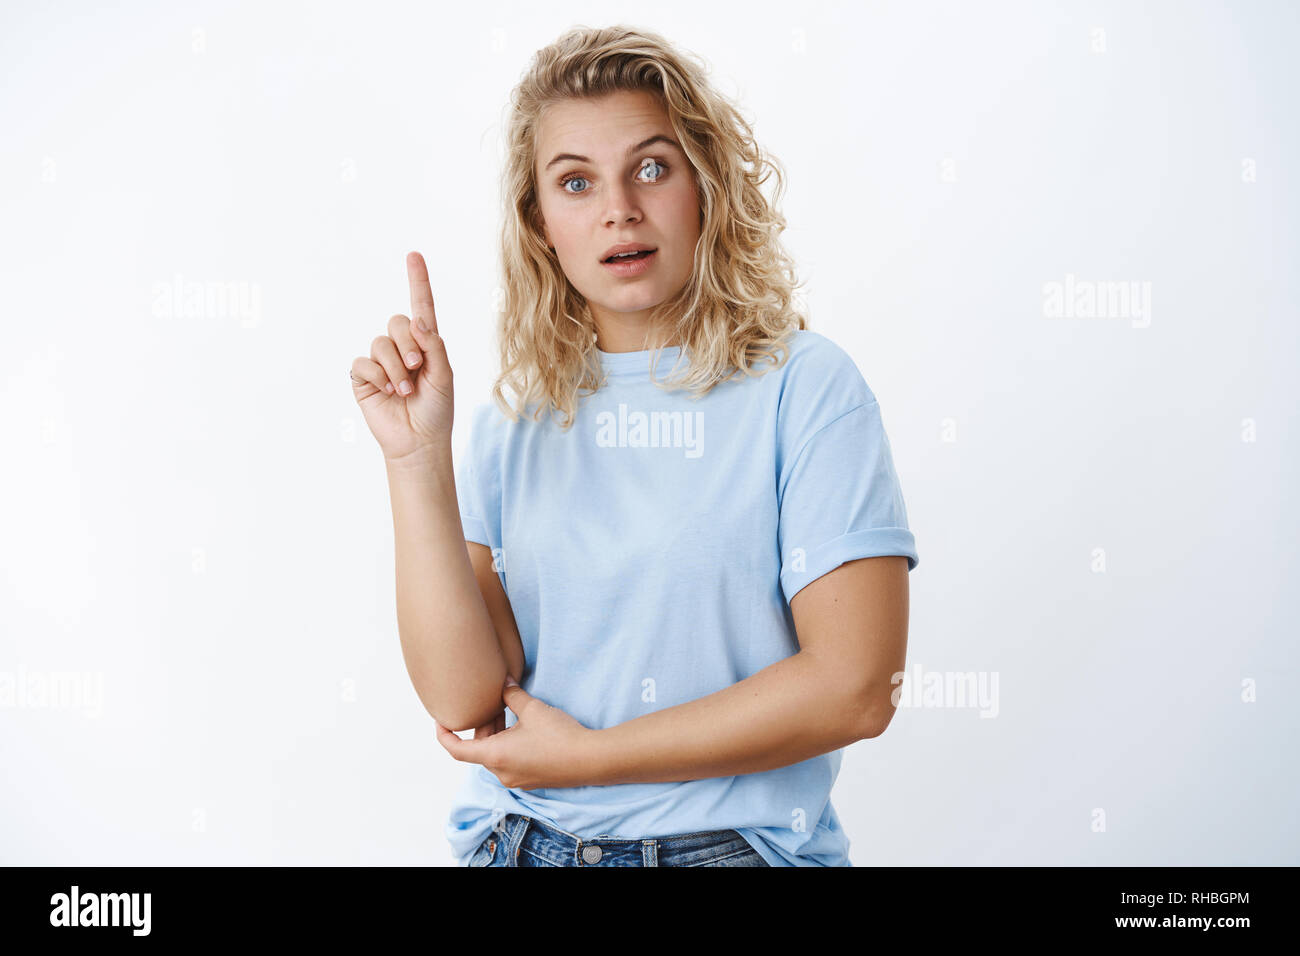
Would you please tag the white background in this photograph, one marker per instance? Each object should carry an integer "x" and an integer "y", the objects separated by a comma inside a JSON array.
[{"x": 194, "y": 513}]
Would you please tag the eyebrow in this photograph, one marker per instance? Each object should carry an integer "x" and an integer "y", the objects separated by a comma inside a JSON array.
[{"x": 658, "y": 138}]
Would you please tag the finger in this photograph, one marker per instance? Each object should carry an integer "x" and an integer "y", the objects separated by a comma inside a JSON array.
[
  {"x": 421, "y": 293},
  {"x": 458, "y": 748},
  {"x": 449, "y": 741},
  {"x": 399, "y": 330},
  {"x": 372, "y": 375},
  {"x": 434, "y": 365},
  {"x": 515, "y": 697},
  {"x": 488, "y": 729},
  {"x": 384, "y": 351}
]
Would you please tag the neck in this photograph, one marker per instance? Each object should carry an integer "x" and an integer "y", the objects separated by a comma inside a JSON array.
[{"x": 631, "y": 341}]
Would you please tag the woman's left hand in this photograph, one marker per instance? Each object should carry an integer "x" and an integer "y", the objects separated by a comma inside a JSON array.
[{"x": 545, "y": 747}]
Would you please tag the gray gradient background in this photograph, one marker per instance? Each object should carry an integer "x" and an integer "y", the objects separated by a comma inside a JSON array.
[{"x": 194, "y": 510}]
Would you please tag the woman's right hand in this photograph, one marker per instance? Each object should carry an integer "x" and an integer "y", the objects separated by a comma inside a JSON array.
[{"x": 404, "y": 388}]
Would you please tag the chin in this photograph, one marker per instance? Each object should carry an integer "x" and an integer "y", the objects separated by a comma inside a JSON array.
[{"x": 629, "y": 299}]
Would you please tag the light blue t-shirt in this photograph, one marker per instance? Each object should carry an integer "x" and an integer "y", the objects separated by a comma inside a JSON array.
[{"x": 650, "y": 553}]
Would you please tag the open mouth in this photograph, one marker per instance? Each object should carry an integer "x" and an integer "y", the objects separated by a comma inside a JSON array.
[{"x": 631, "y": 256}]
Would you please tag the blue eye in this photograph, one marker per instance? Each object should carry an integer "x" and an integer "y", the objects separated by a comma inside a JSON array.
[{"x": 659, "y": 166}]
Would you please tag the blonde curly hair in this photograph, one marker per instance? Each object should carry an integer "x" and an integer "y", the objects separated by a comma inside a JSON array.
[{"x": 737, "y": 306}]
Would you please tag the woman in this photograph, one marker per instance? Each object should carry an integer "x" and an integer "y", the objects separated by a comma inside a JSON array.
[{"x": 665, "y": 605}]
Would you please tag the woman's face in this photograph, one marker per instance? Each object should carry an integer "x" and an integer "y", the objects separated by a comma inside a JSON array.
[{"x": 600, "y": 182}]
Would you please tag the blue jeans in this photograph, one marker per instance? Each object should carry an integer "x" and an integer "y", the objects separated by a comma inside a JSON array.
[{"x": 524, "y": 841}]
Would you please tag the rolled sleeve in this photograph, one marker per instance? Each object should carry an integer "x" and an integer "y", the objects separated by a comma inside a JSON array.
[
  {"x": 842, "y": 501},
  {"x": 477, "y": 485}
]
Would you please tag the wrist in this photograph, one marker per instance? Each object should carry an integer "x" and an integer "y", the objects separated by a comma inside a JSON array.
[
  {"x": 423, "y": 463},
  {"x": 604, "y": 762}
]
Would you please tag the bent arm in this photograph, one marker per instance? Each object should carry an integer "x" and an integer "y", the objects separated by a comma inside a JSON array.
[
  {"x": 852, "y": 629},
  {"x": 449, "y": 642}
]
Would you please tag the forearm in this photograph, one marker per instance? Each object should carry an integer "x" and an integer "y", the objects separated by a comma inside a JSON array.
[
  {"x": 448, "y": 641},
  {"x": 792, "y": 710}
]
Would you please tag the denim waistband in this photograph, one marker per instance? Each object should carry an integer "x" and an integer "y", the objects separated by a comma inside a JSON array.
[{"x": 550, "y": 845}]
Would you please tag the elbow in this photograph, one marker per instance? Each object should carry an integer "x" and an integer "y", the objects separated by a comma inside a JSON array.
[
  {"x": 455, "y": 724},
  {"x": 468, "y": 721},
  {"x": 874, "y": 712},
  {"x": 469, "y": 715}
]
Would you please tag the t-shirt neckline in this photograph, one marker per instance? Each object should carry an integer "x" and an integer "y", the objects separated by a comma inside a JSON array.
[{"x": 638, "y": 363}]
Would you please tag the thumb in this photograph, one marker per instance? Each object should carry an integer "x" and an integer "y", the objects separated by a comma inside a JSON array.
[
  {"x": 432, "y": 345},
  {"x": 435, "y": 366},
  {"x": 512, "y": 691},
  {"x": 423, "y": 336},
  {"x": 515, "y": 697}
]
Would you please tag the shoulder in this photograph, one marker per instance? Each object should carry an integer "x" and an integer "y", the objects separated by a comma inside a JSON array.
[
  {"x": 489, "y": 429},
  {"x": 819, "y": 372},
  {"x": 490, "y": 422},
  {"x": 486, "y": 416}
]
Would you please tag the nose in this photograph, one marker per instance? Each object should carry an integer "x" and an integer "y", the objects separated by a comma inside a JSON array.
[{"x": 621, "y": 205}]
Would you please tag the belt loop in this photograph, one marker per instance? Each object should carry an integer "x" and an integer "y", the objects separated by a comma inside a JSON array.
[
  {"x": 649, "y": 852},
  {"x": 521, "y": 829}
]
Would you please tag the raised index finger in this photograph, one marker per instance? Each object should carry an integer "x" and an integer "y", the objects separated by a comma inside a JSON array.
[{"x": 421, "y": 293}]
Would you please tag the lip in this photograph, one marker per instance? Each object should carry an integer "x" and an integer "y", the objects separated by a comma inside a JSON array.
[
  {"x": 633, "y": 267},
  {"x": 627, "y": 247}
]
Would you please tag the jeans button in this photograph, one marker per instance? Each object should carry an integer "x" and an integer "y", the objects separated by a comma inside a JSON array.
[{"x": 591, "y": 853}]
